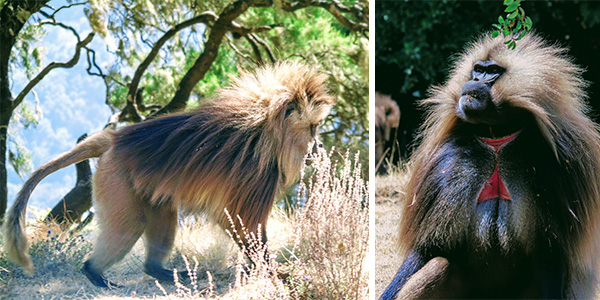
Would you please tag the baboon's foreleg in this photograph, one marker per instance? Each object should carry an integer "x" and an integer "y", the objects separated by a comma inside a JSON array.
[
  {"x": 159, "y": 236},
  {"x": 254, "y": 248}
]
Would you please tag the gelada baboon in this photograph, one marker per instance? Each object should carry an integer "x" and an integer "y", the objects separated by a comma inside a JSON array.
[
  {"x": 503, "y": 198},
  {"x": 234, "y": 152},
  {"x": 387, "y": 119}
]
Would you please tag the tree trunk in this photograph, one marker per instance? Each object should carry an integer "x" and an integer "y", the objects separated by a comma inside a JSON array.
[
  {"x": 3, "y": 174},
  {"x": 10, "y": 26},
  {"x": 6, "y": 110}
]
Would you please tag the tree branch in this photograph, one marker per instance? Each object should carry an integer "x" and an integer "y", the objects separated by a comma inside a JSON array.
[
  {"x": 266, "y": 46},
  {"x": 53, "y": 65},
  {"x": 239, "y": 52},
  {"x": 359, "y": 12},
  {"x": 51, "y": 16},
  {"x": 255, "y": 48},
  {"x": 205, "y": 60},
  {"x": 131, "y": 109}
]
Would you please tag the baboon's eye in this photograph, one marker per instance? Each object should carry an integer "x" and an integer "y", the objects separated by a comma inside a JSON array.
[{"x": 290, "y": 108}]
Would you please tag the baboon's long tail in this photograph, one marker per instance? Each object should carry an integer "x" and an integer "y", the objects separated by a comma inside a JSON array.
[{"x": 15, "y": 240}]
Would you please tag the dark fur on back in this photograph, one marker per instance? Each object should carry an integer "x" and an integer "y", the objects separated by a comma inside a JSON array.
[{"x": 192, "y": 146}]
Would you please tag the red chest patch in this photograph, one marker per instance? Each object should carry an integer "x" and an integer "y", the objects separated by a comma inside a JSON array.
[{"x": 495, "y": 187}]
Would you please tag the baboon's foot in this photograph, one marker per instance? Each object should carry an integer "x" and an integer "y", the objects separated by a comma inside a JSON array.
[
  {"x": 96, "y": 277},
  {"x": 163, "y": 274}
]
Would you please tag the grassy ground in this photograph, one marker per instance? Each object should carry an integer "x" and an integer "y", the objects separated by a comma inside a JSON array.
[
  {"x": 388, "y": 194},
  {"x": 318, "y": 253}
]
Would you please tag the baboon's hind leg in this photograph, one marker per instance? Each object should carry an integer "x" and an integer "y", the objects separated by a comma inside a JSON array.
[
  {"x": 159, "y": 236},
  {"x": 121, "y": 219},
  {"x": 115, "y": 241}
]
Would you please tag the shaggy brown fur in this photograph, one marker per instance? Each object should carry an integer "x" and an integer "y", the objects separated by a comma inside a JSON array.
[
  {"x": 387, "y": 118},
  {"x": 542, "y": 243},
  {"x": 234, "y": 152}
]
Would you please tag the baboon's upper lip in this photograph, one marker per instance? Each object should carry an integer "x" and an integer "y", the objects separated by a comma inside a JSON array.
[
  {"x": 498, "y": 131},
  {"x": 497, "y": 143}
]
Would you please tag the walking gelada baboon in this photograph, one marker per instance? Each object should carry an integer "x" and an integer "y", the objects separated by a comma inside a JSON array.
[
  {"x": 234, "y": 152},
  {"x": 503, "y": 200}
]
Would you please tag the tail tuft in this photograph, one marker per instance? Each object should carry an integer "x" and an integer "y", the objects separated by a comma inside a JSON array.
[{"x": 16, "y": 243}]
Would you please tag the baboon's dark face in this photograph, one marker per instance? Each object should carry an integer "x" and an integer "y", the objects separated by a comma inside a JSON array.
[{"x": 477, "y": 106}]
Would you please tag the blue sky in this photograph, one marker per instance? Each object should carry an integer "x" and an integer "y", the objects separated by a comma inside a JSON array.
[{"x": 72, "y": 103}]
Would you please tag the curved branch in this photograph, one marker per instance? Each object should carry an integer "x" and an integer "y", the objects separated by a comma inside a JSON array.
[
  {"x": 53, "y": 65},
  {"x": 239, "y": 52},
  {"x": 205, "y": 17},
  {"x": 254, "y": 45},
  {"x": 59, "y": 24},
  {"x": 55, "y": 11}
]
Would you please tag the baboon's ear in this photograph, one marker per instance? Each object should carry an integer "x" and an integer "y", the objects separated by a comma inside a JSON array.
[{"x": 290, "y": 108}]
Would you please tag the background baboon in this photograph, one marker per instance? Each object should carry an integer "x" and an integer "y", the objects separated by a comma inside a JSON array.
[
  {"x": 233, "y": 153},
  {"x": 387, "y": 118},
  {"x": 503, "y": 198}
]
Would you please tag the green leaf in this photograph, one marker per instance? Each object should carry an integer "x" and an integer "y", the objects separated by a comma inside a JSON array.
[
  {"x": 512, "y": 7},
  {"x": 528, "y": 23},
  {"x": 495, "y": 33},
  {"x": 523, "y": 33},
  {"x": 500, "y": 20},
  {"x": 506, "y": 31},
  {"x": 508, "y": 2},
  {"x": 507, "y": 42},
  {"x": 497, "y": 26},
  {"x": 512, "y": 45},
  {"x": 513, "y": 15}
]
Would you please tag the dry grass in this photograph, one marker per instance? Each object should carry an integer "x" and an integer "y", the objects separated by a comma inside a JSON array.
[
  {"x": 388, "y": 194},
  {"x": 318, "y": 253},
  {"x": 333, "y": 232}
]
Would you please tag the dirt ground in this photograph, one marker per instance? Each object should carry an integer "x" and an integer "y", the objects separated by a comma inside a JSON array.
[
  {"x": 388, "y": 195},
  {"x": 54, "y": 278}
]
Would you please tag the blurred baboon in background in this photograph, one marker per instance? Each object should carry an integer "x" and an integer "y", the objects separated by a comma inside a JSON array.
[
  {"x": 234, "y": 152},
  {"x": 387, "y": 118},
  {"x": 503, "y": 199}
]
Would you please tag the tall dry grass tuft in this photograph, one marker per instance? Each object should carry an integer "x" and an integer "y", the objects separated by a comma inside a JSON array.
[
  {"x": 333, "y": 230},
  {"x": 327, "y": 248}
]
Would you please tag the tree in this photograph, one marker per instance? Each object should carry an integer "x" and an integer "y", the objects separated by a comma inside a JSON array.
[{"x": 184, "y": 50}]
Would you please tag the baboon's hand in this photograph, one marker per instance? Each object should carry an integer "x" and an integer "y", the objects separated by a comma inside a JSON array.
[{"x": 432, "y": 281}]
